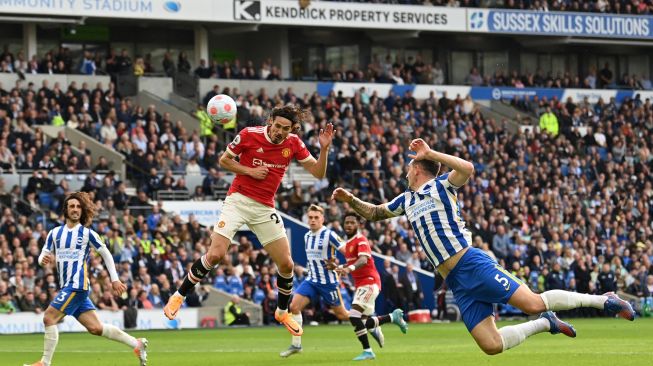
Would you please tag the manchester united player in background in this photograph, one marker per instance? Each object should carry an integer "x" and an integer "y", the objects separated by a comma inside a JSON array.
[
  {"x": 368, "y": 285},
  {"x": 265, "y": 153}
]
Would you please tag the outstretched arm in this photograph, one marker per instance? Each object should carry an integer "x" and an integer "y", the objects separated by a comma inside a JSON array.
[
  {"x": 369, "y": 211},
  {"x": 318, "y": 167},
  {"x": 461, "y": 169}
]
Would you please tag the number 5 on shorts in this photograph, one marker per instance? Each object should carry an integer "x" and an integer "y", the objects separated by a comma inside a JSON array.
[{"x": 503, "y": 281}]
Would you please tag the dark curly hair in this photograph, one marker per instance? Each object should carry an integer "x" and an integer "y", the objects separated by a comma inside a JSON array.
[
  {"x": 295, "y": 114},
  {"x": 88, "y": 208},
  {"x": 353, "y": 214}
]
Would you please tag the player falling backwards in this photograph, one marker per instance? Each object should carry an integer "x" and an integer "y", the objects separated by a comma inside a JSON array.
[
  {"x": 476, "y": 280},
  {"x": 71, "y": 244},
  {"x": 368, "y": 285},
  {"x": 265, "y": 153}
]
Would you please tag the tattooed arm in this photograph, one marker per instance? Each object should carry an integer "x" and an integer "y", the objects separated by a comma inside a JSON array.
[{"x": 369, "y": 211}]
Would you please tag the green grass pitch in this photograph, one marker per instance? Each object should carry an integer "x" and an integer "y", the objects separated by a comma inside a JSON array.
[{"x": 599, "y": 342}]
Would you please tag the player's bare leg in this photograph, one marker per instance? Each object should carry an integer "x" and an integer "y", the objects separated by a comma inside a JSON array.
[
  {"x": 279, "y": 251},
  {"x": 91, "y": 322},
  {"x": 51, "y": 318},
  {"x": 199, "y": 270},
  {"x": 340, "y": 312},
  {"x": 298, "y": 303}
]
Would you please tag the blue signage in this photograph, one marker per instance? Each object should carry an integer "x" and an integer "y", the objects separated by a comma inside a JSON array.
[
  {"x": 565, "y": 24},
  {"x": 498, "y": 93}
]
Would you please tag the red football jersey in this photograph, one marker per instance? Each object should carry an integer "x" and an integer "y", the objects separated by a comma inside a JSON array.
[
  {"x": 256, "y": 149},
  {"x": 367, "y": 274}
]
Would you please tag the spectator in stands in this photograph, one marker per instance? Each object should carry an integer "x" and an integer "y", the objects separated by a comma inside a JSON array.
[
  {"x": 193, "y": 168},
  {"x": 183, "y": 66},
  {"x": 6, "y": 304},
  {"x": 139, "y": 67},
  {"x": 88, "y": 65},
  {"x": 269, "y": 306},
  {"x": 107, "y": 301},
  {"x": 203, "y": 71},
  {"x": 168, "y": 65},
  {"x": 412, "y": 288},
  {"x": 474, "y": 78},
  {"x": 123, "y": 62},
  {"x": 143, "y": 301},
  {"x": 233, "y": 313},
  {"x": 607, "y": 280},
  {"x": 605, "y": 77},
  {"x": 549, "y": 122}
]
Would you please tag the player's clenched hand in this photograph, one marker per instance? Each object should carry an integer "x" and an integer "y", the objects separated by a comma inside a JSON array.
[
  {"x": 331, "y": 263},
  {"x": 420, "y": 147},
  {"x": 118, "y": 288},
  {"x": 326, "y": 136},
  {"x": 47, "y": 259},
  {"x": 259, "y": 172},
  {"x": 342, "y": 195},
  {"x": 343, "y": 271}
]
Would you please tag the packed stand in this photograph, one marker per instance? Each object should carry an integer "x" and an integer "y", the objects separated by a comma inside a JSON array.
[
  {"x": 604, "y": 78},
  {"x": 559, "y": 209},
  {"x": 633, "y": 7},
  {"x": 537, "y": 200}
]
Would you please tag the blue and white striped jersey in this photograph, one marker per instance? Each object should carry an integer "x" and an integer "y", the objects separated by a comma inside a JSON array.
[
  {"x": 71, "y": 248},
  {"x": 434, "y": 214},
  {"x": 320, "y": 246}
]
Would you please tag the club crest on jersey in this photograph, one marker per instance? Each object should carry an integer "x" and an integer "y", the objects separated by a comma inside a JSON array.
[
  {"x": 80, "y": 240},
  {"x": 285, "y": 152},
  {"x": 221, "y": 224}
]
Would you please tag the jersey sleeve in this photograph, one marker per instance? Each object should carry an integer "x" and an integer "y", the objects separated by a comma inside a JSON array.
[
  {"x": 336, "y": 241},
  {"x": 301, "y": 152},
  {"x": 236, "y": 146},
  {"x": 444, "y": 180},
  {"x": 397, "y": 205},
  {"x": 95, "y": 240},
  {"x": 49, "y": 242},
  {"x": 363, "y": 248}
]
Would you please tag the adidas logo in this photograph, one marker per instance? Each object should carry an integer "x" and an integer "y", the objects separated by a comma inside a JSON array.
[{"x": 260, "y": 150}]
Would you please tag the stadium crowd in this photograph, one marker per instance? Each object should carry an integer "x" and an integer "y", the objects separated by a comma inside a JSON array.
[
  {"x": 381, "y": 69},
  {"x": 633, "y": 7},
  {"x": 569, "y": 208}
]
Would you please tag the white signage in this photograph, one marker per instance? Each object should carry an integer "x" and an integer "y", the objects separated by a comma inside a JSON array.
[
  {"x": 592, "y": 95},
  {"x": 206, "y": 212},
  {"x": 28, "y": 322},
  {"x": 139, "y": 9},
  {"x": 283, "y": 12},
  {"x": 351, "y": 15},
  {"x": 424, "y": 91}
]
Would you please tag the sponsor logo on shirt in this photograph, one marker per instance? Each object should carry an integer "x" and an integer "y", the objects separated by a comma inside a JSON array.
[{"x": 259, "y": 162}]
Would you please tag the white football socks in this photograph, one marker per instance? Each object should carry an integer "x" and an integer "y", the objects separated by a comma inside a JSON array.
[
  {"x": 297, "y": 340},
  {"x": 112, "y": 332},
  {"x": 50, "y": 340},
  {"x": 556, "y": 300},
  {"x": 514, "y": 335}
]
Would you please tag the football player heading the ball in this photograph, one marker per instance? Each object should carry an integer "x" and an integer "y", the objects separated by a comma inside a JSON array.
[{"x": 265, "y": 153}]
